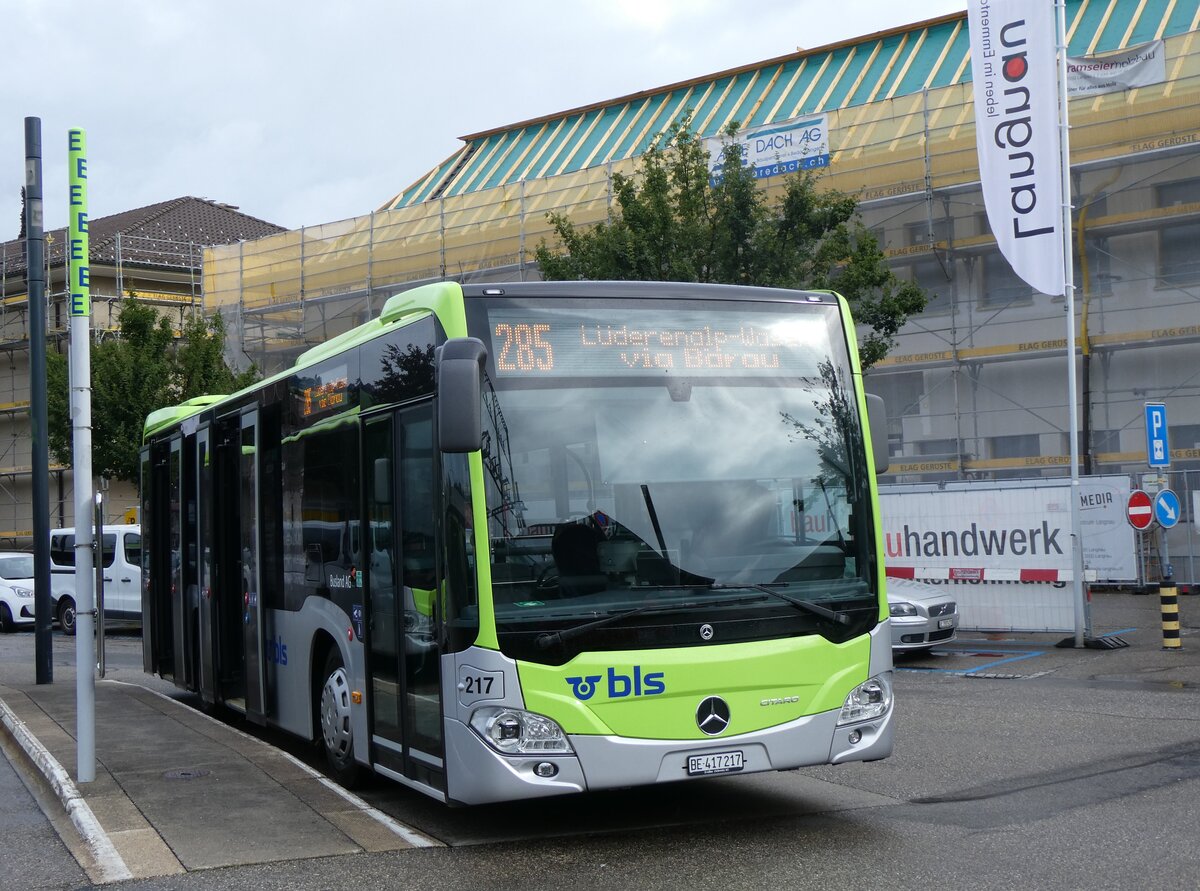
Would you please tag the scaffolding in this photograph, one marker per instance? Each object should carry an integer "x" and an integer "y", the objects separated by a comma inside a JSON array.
[
  {"x": 158, "y": 271},
  {"x": 290, "y": 291}
]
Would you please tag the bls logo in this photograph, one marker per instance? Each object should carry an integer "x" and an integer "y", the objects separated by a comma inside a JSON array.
[
  {"x": 619, "y": 685},
  {"x": 277, "y": 651}
]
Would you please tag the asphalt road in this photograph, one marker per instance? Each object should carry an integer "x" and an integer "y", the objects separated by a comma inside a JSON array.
[{"x": 1018, "y": 765}]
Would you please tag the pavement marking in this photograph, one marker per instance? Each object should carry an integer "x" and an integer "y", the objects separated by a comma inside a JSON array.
[
  {"x": 407, "y": 833},
  {"x": 985, "y": 647},
  {"x": 980, "y": 670},
  {"x": 110, "y": 866}
]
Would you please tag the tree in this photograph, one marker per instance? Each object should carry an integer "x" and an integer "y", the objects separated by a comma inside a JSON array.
[
  {"x": 673, "y": 222},
  {"x": 136, "y": 372}
]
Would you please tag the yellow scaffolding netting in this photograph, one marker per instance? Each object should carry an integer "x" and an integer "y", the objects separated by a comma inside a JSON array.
[{"x": 896, "y": 147}]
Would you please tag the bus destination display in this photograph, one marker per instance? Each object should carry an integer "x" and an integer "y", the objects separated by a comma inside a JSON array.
[
  {"x": 327, "y": 392},
  {"x": 639, "y": 342}
]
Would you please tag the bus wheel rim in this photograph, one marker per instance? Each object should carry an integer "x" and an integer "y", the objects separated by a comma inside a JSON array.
[{"x": 335, "y": 715}]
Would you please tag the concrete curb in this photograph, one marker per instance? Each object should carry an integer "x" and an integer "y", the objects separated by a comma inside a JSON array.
[{"x": 110, "y": 866}]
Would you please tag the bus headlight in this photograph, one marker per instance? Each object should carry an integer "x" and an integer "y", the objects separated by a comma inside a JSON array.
[
  {"x": 515, "y": 731},
  {"x": 870, "y": 699}
]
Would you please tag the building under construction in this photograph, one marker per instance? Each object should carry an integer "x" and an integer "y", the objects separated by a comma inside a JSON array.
[
  {"x": 976, "y": 385},
  {"x": 153, "y": 252}
]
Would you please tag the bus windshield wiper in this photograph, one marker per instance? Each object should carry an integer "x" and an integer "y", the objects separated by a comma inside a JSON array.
[
  {"x": 839, "y": 616},
  {"x": 549, "y": 638}
]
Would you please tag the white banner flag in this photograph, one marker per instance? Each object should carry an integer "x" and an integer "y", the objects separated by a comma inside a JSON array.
[{"x": 1015, "y": 76}]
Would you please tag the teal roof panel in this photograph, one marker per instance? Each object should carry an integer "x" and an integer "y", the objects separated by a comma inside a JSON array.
[
  {"x": 960, "y": 48},
  {"x": 624, "y": 114},
  {"x": 1184, "y": 17},
  {"x": 827, "y": 78},
  {"x": 629, "y": 144},
  {"x": 773, "y": 92},
  {"x": 711, "y": 100},
  {"x": 1116, "y": 26},
  {"x": 923, "y": 58},
  {"x": 893, "y": 63},
  {"x": 1086, "y": 21},
  {"x": 504, "y": 171},
  {"x": 883, "y": 66},
  {"x": 607, "y": 117}
]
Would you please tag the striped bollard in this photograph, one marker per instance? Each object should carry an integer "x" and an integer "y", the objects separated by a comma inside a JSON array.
[{"x": 1168, "y": 596}]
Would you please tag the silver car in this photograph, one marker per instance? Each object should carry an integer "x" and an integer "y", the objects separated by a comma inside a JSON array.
[{"x": 922, "y": 615}]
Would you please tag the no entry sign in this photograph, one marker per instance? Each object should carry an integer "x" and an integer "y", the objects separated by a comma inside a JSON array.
[{"x": 1140, "y": 510}]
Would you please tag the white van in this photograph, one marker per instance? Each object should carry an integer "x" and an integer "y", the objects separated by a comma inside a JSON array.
[{"x": 122, "y": 574}]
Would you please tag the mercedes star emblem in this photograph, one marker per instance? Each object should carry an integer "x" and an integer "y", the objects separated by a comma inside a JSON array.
[
  {"x": 706, "y": 632},
  {"x": 712, "y": 716}
]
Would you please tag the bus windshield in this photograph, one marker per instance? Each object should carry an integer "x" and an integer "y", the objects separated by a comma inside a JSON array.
[{"x": 657, "y": 467}]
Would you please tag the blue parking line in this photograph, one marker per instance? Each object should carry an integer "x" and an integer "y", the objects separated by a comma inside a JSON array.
[
  {"x": 964, "y": 672},
  {"x": 984, "y": 646}
]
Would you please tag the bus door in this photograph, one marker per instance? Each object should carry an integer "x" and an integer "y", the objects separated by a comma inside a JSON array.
[
  {"x": 160, "y": 511},
  {"x": 235, "y": 613},
  {"x": 406, "y": 709},
  {"x": 206, "y": 612},
  {"x": 183, "y": 557},
  {"x": 250, "y": 539}
]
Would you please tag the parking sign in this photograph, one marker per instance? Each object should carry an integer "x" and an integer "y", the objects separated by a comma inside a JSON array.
[{"x": 1158, "y": 450}]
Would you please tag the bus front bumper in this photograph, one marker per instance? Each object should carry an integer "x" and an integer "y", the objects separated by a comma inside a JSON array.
[{"x": 607, "y": 762}]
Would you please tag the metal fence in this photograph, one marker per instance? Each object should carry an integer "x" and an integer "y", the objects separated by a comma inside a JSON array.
[{"x": 1179, "y": 547}]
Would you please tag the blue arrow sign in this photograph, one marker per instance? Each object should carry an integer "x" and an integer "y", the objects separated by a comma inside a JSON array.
[
  {"x": 1158, "y": 451},
  {"x": 1166, "y": 508}
]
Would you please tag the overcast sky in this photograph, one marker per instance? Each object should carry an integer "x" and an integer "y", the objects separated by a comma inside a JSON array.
[{"x": 310, "y": 111}]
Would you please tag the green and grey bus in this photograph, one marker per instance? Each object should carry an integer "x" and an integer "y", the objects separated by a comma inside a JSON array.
[{"x": 518, "y": 540}]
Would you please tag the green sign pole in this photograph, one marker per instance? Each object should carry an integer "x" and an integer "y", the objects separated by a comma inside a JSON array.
[{"x": 79, "y": 288}]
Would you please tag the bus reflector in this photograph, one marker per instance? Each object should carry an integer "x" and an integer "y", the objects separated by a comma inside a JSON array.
[{"x": 356, "y": 697}]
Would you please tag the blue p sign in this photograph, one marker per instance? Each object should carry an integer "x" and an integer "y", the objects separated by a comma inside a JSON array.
[{"x": 1158, "y": 451}]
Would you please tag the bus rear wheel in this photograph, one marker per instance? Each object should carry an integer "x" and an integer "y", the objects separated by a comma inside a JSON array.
[{"x": 337, "y": 729}]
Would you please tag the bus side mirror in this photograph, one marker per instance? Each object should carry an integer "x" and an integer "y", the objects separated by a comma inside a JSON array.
[
  {"x": 459, "y": 370},
  {"x": 877, "y": 418}
]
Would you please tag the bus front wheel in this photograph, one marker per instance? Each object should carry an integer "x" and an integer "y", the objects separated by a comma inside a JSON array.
[{"x": 337, "y": 733}]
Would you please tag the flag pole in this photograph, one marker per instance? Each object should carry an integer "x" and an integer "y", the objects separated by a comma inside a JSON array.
[{"x": 1082, "y": 613}]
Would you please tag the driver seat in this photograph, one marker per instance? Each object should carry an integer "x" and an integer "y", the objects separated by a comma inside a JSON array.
[{"x": 575, "y": 547}]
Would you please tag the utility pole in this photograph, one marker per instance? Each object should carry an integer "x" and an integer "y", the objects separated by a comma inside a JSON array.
[{"x": 35, "y": 280}]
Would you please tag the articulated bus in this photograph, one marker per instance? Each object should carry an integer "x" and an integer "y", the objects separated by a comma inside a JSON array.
[{"x": 517, "y": 540}]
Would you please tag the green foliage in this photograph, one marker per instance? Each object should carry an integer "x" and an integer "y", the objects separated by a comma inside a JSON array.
[
  {"x": 138, "y": 371},
  {"x": 672, "y": 223}
]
